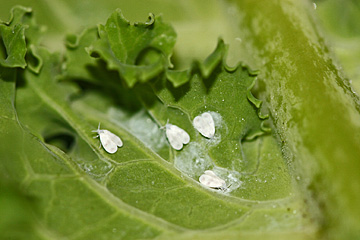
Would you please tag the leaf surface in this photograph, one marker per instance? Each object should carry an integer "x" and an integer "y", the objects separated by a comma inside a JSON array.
[
  {"x": 138, "y": 51},
  {"x": 146, "y": 189}
]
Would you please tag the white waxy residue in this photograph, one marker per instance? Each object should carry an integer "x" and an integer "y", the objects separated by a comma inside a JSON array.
[
  {"x": 109, "y": 141},
  {"x": 204, "y": 123},
  {"x": 177, "y": 136}
]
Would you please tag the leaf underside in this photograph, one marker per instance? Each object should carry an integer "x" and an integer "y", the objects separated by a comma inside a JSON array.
[{"x": 120, "y": 75}]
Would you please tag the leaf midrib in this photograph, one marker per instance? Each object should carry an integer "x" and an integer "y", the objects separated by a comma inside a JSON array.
[
  {"x": 90, "y": 113},
  {"x": 113, "y": 201}
]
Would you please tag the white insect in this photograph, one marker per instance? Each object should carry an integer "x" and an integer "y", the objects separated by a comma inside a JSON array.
[
  {"x": 109, "y": 141},
  {"x": 176, "y": 136},
  {"x": 211, "y": 180},
  {"x": 204, "y": 123}
]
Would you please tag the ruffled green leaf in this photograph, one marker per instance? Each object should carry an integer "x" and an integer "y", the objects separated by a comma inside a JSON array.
[
  {"x": 133, "y": 185},
  {"x": 12, "y": 36},
  {"x": 139, "y": 51},
  {"x": 146, "y": 190},
  {"x": 78, "y": 63}
]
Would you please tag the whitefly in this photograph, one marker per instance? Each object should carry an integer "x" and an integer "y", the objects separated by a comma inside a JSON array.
[
  {"x": 204, "y": 123},
  {"x": 211, "y": 180},
  {"x": 177, "y": 136},
  {"x": 108, "y": 140}
]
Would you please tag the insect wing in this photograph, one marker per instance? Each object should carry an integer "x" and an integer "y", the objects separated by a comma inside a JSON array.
[
  {"x": 210, "y": 173},
  {"x": 184, "y": 136},
  {"x": 115, "y": 138},
  {"x": 175, "y": 143},
  {"x": 172, "y": 135},
  {"x": 210, "y": 179},
  {"x": 107, "y": 142},
  {"x": 204, "y": 123},
  {"x": 176, "y": 136},
  {"x": 209, "y": 124}
]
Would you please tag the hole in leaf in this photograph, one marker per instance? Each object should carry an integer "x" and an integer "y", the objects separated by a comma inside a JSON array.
[
  {"x": 61, "y": 140},
  {"x": 95, "y": 54}
]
